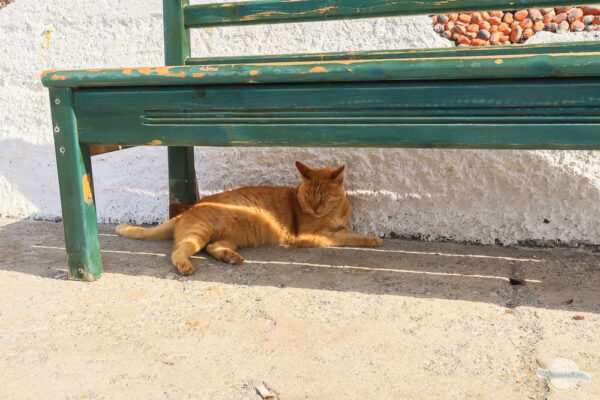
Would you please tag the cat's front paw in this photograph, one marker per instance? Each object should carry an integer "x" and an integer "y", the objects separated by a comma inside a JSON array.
[
  {"x": 375, "y": 241},
  {"x": 231, "y": 257},
  {"x": 186, "y": 268}
]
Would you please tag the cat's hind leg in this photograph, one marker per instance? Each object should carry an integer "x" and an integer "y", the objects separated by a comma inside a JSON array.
[
  {"x": 224, "y": 250},
  {"x": 185, "y": 247}
]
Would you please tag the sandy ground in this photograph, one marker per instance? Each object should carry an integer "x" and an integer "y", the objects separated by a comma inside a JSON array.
[{"x": 411, "y": 320}]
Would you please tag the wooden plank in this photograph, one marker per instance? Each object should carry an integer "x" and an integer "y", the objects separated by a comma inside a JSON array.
[
  {"x": 534, "y": 113},
  {"x": 177, "y": 38},
  {"x": 582, "y": 64},
  {"x": 275, "y": 12},
  {"x": 76, "y": 190},
  {"x": 543, "y": 48},
  {"x": 183, "y": 187},
  {"x": 458, "y": 136},
  {"x": 543, "y": 96}
]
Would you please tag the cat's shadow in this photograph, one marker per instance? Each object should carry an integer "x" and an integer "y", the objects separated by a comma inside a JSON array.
[{"x": 505, "y": 276}]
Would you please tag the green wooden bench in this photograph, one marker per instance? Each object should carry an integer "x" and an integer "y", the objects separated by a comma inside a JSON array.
[{"x": 519, "y": 97}]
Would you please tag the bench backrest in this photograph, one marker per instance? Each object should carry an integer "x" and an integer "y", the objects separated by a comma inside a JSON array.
[{"x": 179, "y": 16}]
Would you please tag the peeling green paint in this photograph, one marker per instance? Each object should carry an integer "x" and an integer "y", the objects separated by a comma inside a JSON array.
[
  {"x": 582, "y": 60},
  {"x": 276, "y": 12},
  {"x": 76, "y": 191}
]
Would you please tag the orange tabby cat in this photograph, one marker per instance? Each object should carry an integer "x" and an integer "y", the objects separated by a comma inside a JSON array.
[{"x": 314, "y": 214}]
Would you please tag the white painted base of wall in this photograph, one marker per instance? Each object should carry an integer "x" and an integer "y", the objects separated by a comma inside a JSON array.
[{"x": 480, "y": 196}]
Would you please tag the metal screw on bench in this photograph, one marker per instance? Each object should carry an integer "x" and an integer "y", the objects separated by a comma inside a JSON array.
[
  {"x": 62, "y": 150},
  {"x": 57, "y": 101},
  {"x": 56, "y": 129}
]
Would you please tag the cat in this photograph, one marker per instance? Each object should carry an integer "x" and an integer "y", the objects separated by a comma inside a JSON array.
[{"x": 314, "y": 214}]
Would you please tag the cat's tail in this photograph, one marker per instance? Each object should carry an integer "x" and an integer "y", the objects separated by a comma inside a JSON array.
[{"x": 160, "y": 232}]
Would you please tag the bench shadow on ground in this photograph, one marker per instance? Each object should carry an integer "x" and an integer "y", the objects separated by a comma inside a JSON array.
[
  {"x": 542, "y": 278},
  {"x": 449, "y": 271}
]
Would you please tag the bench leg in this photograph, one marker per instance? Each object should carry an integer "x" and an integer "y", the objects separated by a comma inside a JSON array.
[
  {"x": 76, "y": 190},
  {"x": 183, "y": 187}
]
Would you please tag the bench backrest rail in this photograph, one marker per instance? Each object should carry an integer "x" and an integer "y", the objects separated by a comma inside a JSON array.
[
  {"x": 180, "y": 16},
  {"x": 276, "y": 12}
]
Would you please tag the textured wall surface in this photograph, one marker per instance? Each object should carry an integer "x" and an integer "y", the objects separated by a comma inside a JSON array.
[{"x": 481, "y": 196}]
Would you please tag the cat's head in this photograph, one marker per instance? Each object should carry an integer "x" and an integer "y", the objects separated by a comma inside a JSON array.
[{"x": 321, "y": 191}]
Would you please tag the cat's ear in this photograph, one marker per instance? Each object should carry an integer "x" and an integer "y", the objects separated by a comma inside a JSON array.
[
  {"x": 304, "y": 170},
  {"x": 337, "y": 176}
]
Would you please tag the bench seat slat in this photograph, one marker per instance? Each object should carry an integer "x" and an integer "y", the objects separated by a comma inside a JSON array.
[
  {"x": 489, "y": 66},
  {"x": 275, "y": 12}
]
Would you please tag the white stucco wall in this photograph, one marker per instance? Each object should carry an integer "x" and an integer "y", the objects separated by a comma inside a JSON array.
[{"x": 481, "y": 196}]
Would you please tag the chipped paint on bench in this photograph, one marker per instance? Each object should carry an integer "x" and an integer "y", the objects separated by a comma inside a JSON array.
[{"x": 581, "y": 63}]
